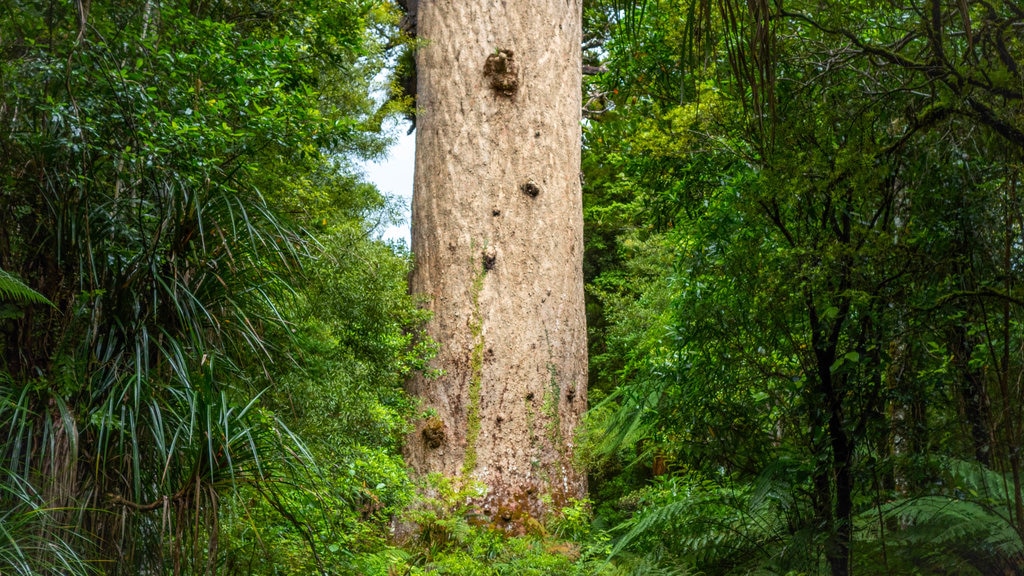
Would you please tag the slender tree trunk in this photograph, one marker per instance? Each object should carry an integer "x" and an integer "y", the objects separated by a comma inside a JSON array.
[
  {"x": 833, "y": 482},
  {"x": 839, "y": 480},
  {"x": 971, "y": 386},
  {"x": 497, "y": 237}
]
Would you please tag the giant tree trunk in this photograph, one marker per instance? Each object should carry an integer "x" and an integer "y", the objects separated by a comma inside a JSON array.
[{"x": 497, "y": 238}]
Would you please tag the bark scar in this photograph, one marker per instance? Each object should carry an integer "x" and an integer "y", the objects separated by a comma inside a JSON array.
[{"x": 503, "y": 71}]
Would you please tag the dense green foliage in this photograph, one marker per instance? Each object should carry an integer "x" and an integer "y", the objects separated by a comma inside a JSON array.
[
  {"x": 805, "y": 264},
  {"x": 189, "y": 282}
]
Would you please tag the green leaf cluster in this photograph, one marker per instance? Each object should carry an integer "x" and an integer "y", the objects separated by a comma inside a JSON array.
[
  {"x": 178, "y": 179},
  {"x": 802, "y": 261}
]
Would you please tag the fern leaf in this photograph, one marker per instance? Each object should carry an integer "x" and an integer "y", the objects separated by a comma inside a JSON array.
[
  {"x": 657, "y": 517},
  {"x": 13, "y": 289}
]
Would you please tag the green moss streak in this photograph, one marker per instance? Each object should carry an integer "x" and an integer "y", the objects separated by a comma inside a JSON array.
[{"x": 476, "y": 367}]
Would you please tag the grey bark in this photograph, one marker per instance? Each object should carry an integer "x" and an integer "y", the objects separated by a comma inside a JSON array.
[{"x": 497, "y": 238}]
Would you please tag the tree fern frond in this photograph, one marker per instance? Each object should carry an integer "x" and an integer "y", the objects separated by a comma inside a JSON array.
[
  {"x": 704, "y": 524},
  {"x": 977, "y": 481},
  {"x": 626, "y": 424},
  {"x": 14, "y": 290},
  {"x": 968, "y": 525},
  {"x": 658, "y": 517},
  {"x": 938, "y": 520}
]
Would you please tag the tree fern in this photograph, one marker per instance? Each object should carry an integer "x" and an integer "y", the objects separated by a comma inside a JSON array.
[
  {"x": 965, "y": 525},
  {"x": 719, "y": 527}
]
